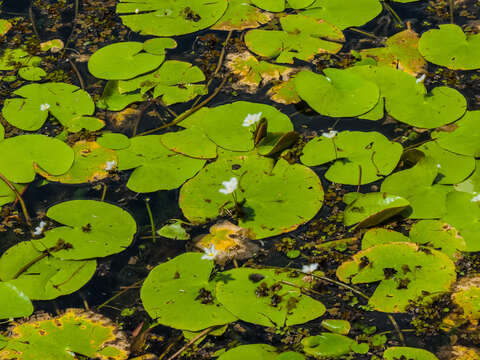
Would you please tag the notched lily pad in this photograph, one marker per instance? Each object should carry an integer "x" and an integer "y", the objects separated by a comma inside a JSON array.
[
  {"x": 399, "y": 352},
  {"x": 241, "y": 15},
  {"x": 14, "y": 303},
  {"x": 328, "y": 345}
]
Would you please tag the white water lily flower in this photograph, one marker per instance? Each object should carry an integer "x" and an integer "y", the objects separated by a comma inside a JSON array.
[
  {"x": 39, "y": 228},
  {"x": 110, "y": 165},
  {"x": 476, "y": 198},
  {"x": 230, "y": 186},
  {"x": 210, "y": 253},
  {"x": 308, "y": 269},
  {"x": 251, "y": 119},
  {"x": 331, "y": 134},
  {"x": 420, "y": 79},
  {"x": 44, "y": 107}
]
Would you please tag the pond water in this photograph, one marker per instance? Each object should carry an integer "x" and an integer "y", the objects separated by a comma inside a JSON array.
[{"x": 211, "y": 174}]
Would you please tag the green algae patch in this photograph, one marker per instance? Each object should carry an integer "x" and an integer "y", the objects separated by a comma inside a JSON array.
[
  {"x": 267, "y": 297},
  {"x": 405, "y": 272},
  {"x": 93, "y": 229},
  {"x": 63, "y": 337},
  {"x": 178, "y": 294}
]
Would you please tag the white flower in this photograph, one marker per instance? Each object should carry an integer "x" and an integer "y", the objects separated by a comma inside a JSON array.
[
  {"x": 439, "y": 166},
  {"x": 251, "y": 119},
  {"x": 308, "y": 269},
  {"x": 39, "y": 228},
  {"x": 110, "y": 165},
  {"x": 331, "y": 134},
  {"x": 328, "y": 79},
  {"x": 420, "y": 79},
  {"x": 476, "y": 198},
  {"x": 230, "y": 186},
  {"x": 44, "y": 107},
  {"x": 210, "y": 252},
  {"x": 136, "y": 11}
]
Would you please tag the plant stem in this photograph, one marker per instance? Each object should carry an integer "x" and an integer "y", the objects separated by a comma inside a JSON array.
[
  {"x": 150, "y": 217},
  {"x": 394, "y": 14},
  {"x": 192, "y": 341},
  {"x": 450, "y": 8},
  {"x": 79, "y": 76},
  {"x": 121, "y": 292},
  {"x": 32, "y": 19},
  {"x": 19, "y": 198}
]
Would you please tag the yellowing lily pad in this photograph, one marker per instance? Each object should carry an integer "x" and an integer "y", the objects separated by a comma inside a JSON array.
[
  {"x": 241, "y": 15},
  {"x": 5, "y": 25},
  {"x": 397, "y": 352}
]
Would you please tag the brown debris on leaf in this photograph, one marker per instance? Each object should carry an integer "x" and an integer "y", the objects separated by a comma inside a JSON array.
[{"x": 458, "y": 353}]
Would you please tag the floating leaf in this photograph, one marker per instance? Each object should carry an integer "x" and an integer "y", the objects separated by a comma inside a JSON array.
[
  {"x": 114, "y": 141},
  {"x": 12, "y": 59},
  {"x": 379, "y": 236},
  {"x": 373, "y": 208},
  {"x": 252, "y": 351},
  {"x": 302, "y": 37},
  {"x": 472, "y": 184},
  {"x": 241, "y": 15},
  {"x": 449, "y": 46},
  {"x": 7, "y": 195},
  {"x": 344, "y": 13},
  {"x": 157, "y": 46},
  {"x": 93, "y": 229},
  {"x": 285, "y": 92},
  {"x": 63, "y": 101},
  {"x": 327, "y": 345},
  {"x": 191, "y": 142},
  {"x": 156, "y": 167},
  {"x": 113, "y": 100},
  {"x": 31, "y": 73},
  {"x": 178, "y": 294},
  {"x": 398, "y": 352},
  {"x": 466, "y": 297},
  {"x": 405, "y": 271},
  {"x": 54, "y": 45},
  {"x": 92, "y": 163},
  {"x": 336, "y": 326},
  {"x": 14, "y": 303},
  {"x": 360, "y": 157},
  {"x": 271, "y": 301},
  {"x": 174, "y": 82},
  {"x": 170, "y": 17},
  {"x": 5, "y": 25},
  {"x": 280, "y": 202},
  {"x": 174, "y": 230},
  {"x": 52, "y": 155},
  {"x": 75, "y": 332},
  {"x": 339, "y": 93},
  {"x": 43, "y": 277},
  {"x": 281, "y": 5}
]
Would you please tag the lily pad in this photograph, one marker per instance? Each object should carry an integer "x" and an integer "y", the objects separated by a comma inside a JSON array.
[
  {"x": 339, "y": 93},
  {"x": 398, "y": 352},
  {"x": 63, "y": 101},
  {"x": 174, "y": 82},
  {"x": 14, "y": 303},
  {"x": 252, "y": 351},
  {"x": 31, "y": 73},
  {"x": 251, "y": 300},
  {"x": 92, "y": 163},
  {"x": 43, "y": 277},
  {"x": 235, "y": 133},
  {"x": 12, "y": 59},
  {"x": 379, "y": 236},
  {"x": 75, "y": 332},
  {"x": 373, "y": 208},
  {"x": 5, "y": 25},
  {"x": 285, "y": 92},
  {"x": 93, "y": 229},
  {"x": 174, "y": 230},
  {"x": 191, "y": 142},
  {"x": 170, "y": 17},
  {"x": 449, "y": 46},
  {"x": 359, "y": 157},
  {"x": 302, "y": 37},
  {"x": 122, "y": 60},
  {"x": 52, "y": 155},
  {"x": 114, "y": 141},
  {"x": 7, "y": 195},
  {"x": 281, "y": 5},
  {"x": 113, "y": 100},
  {"x": 241, "y": 15},
  {"x": 328, "y": 345},
  {"x": 405, "y": 272},
  {"x": 336, "y": 326},
  {"x": 178, "y": 294},
  {"x": 289, "y": 196},
  {"x": 156, "y": 167},
  {"x": 466, "y": 297},
  {"x": 157, "y": 46}
]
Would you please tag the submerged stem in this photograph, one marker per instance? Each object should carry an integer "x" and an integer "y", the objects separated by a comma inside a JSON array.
[
  {"x": 150, "y": 217},
  {"x": 19, "y": 198}
]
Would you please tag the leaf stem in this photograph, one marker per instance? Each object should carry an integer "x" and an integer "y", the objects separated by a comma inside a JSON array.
[
  {"x": 150, "y": 217},
  {"x": 19, "y": 198}
]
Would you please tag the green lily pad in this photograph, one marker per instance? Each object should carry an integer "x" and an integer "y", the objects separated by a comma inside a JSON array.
[
  {"x": 93, "y": 229},
  {"x": 344, "y": 13},
  {"x": 12, "y": 59},
  {"x": 465, "y": 137},
  {"x": 373, "y": 208},
  {"x": 252, "y": 351},
  {"x": 113, "y": 100},
  {"x": 449, "y": 46},
  {"x": 251, "y": 300},
  {"x": 5, "y": 25},
  {"x": 359, "y": 157},
  {"x": 114, "y": 141},
  {"x": 75, "y": 332},
  {"x": 156, "y": 167},
  {"x": 43, "y": 277},
  {"x": 339, "y": 93},
  {"x": 463, "y": 213},
  {"x": 92, "y": 163},
  {"x": 281, "y": 5},
  {"x": 174, "y": 82},
  {"x": 427, "y": 200},
  {"x": 178, "y": 294},
  {"x": 273, "y": 143},
  {"x": 236, "y": 132},
  {"x": 328, "y": 345},
  {"x": 170, "y": 17},
  {"x": 157, "y": 46},
  {"x": 405, "y": 271},
  {"x": 410, "y": 353},
  {"x": 122, "y": 60},
  {"x": 14, "y": 303},
  {"x": 472, "y": 183},
  {"x": 241, "y": 15},
  {"x": 7, "y": 195},
  {"x": 63, "y": 101},
  {"x": 2, "y": 132},
  {"x": 302, "y": 37},
  {"x": 336, "y": 326},
  {"x": 174, "y": 230},
  {"x": 191, "y": 142},
  {"x": 289, "y": 196},
  {"x": 31, "y": 73},
  {"x": 52, "y": 155},
  {"x": 379, "y": 236}
]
